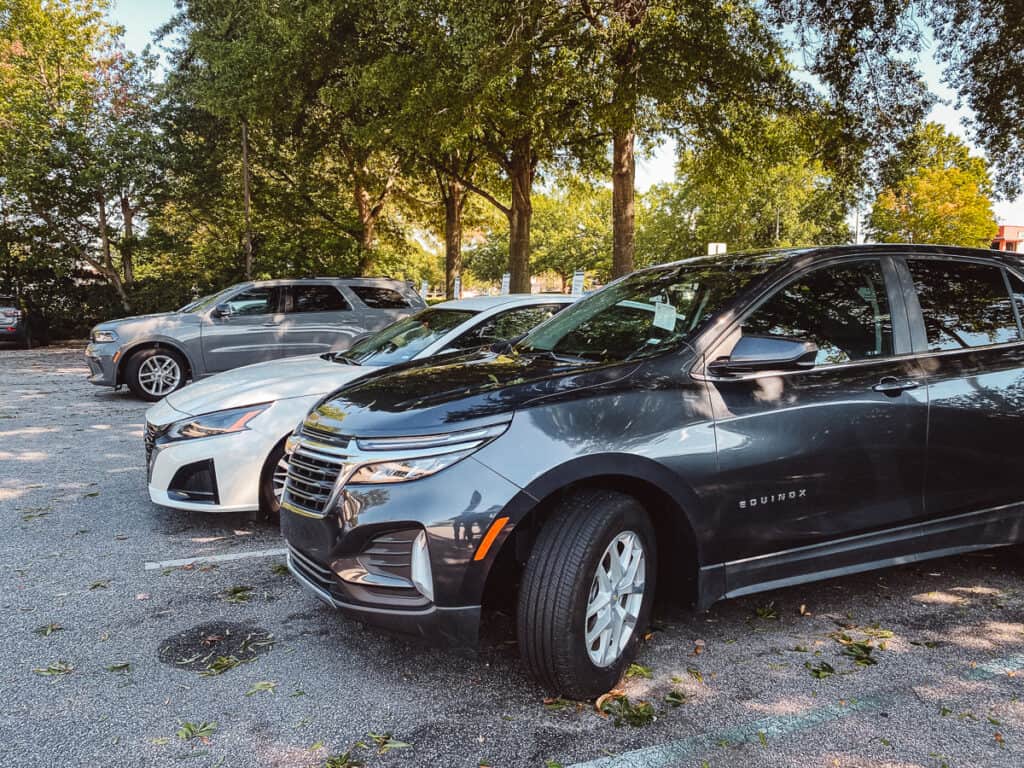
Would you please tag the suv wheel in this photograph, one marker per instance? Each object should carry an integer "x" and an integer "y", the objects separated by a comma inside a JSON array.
[
  {"x": 154, "y": 373},
  {"x": 587, "y": 592},
  {"x": 275, "y": 472}
]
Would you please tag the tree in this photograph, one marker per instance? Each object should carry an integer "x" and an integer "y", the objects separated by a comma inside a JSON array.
[
  {"x": 980, "y": 43},
  {"x": 935, "y": 192},
  {"x": 763, "y": 188},
  {"x": 941, "y": 205}
]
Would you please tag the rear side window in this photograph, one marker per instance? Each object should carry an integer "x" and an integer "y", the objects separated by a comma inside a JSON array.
[
  {"x": 964, "y": 304},
  {"x": 317, "y": 298},
  {"x": 844, "y": 309},
  {"x": 380, "y": 298}
]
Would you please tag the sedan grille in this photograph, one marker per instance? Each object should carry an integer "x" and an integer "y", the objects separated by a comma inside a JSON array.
[{"x": 152, "y": 433}]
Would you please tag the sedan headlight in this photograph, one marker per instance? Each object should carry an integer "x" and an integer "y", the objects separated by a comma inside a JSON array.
[
  {"x": 415, "y": 457},
  {"x": 104, "y": 337},
  {"x": 216, "y": 423}
]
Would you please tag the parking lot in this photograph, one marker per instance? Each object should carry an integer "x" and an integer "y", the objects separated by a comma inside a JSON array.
[{"x": 120, "y": 648}]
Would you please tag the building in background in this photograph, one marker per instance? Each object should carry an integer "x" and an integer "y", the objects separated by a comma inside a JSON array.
[{"x": 1009, "y": 238}]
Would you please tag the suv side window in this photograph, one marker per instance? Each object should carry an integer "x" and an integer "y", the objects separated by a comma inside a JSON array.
[
  {"x": 254, "y": 301},
  {"x": 964, "y": 304},
  {"x": 506, "y": 325},
  {"x": 317, "y": 298},
  {"x": 844, "y": 309},
  {"x": 379, "y": 298}
]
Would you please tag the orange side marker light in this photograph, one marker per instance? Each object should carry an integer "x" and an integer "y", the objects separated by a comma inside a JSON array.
[{"x": 489, "y": 537}]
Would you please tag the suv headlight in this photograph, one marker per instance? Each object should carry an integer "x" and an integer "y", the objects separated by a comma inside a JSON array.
[
  {"x": 412, "y": 458},
  {"x": 216, "y": 423},
  {"x": 104, "y": 337}
]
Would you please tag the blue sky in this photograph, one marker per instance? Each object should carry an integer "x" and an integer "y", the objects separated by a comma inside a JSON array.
[{"x": 141, "y": 17}]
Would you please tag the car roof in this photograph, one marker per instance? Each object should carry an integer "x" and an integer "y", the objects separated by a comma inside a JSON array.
[
  {"x": 370, "y": 281},
  {"x": 808, "y": 255},
  {"x": 482, "y": 303}
]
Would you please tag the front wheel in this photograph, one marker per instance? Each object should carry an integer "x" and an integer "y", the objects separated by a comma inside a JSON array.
[
  {"x": 587, "y": 592},
  {"x": 272, "y": 479},
  {"x": 152, "y": 374}
]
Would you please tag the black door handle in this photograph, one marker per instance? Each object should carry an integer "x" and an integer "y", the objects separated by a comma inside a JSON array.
[{"x": 890, "y": 385}]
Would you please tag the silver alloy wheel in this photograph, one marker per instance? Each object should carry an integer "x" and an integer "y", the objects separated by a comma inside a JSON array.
[
  {"x": 279, "y": 478},
  {"x": 616, "y": 595},
  {"x": 159, "y": 375}
]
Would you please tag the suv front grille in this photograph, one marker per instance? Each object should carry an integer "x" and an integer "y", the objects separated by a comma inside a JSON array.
[
  {"x": 312, "y": 479},
  {"x": 310, "y": 570}
]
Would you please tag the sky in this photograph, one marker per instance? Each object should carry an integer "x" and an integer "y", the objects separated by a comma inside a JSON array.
[{"x": 141, "y": 17}]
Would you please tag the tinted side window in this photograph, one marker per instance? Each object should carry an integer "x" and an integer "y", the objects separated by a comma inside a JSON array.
[
  {"x": 379, "y": 298},
  {"x": 843, "y": 309},
  {"x": 964, "y": 304},
  {"x": 254, "y": 301},
  {"x": 317, "y": 298},
  {"x": 1017, "y": 291}
]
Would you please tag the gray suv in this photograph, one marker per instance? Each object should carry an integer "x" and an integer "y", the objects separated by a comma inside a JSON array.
[{"x": 247, "y": 323}]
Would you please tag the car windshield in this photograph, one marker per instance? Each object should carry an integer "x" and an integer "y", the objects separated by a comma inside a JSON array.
[
  {"x": 207, "y": 301},
  {"x": 645, "y": 313},
  {"x": 405, "y": 339}
]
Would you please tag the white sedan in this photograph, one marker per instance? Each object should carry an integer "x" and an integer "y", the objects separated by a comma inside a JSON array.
[{"x": 218, "y": 444}]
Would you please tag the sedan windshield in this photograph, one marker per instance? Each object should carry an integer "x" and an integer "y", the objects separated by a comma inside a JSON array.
[
  {"x": 405, "y": 339},
  {"x": 645, "y": 313}
]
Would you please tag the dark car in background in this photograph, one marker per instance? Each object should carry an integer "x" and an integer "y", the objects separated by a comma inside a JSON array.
[
  {"x": 713, "y": 427},
  {"x": 19, "y": 324},
  {"x": 254, "y": 322}
]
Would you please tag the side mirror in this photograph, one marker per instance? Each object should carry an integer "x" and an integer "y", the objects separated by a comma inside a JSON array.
[
  {"x": 766, "y": 353},
  {"x": 222, "y": 310}
]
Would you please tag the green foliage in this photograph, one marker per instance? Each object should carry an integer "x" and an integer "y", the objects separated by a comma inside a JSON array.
[{"x": 937, "y": 193}]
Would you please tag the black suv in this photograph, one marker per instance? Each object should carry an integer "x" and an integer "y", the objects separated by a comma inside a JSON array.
[{"x": 716, "y": 426}]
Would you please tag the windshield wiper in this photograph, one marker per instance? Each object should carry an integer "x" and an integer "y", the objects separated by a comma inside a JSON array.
[
  {"x": 556, "y": 357},
  {"x": 338, "y": 357}
]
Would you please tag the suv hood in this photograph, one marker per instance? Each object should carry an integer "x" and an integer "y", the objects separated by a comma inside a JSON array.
[
  {"x": 424, "y": 397},
  {"x": 303, "y": 376},
  {"x": 156, "y": 323}
]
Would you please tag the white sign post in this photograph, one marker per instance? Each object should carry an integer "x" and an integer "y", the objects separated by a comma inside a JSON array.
[
  {"x": 506, "y": 283},
  {"x": 715, "y": 249},
  {"x": 458, "y": 287},
  {"x": 577, "y": 282},
  {"x": 424, "y": 289}
]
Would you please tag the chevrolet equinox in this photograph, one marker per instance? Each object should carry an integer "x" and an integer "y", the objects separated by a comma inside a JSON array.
[{"x": 713, "y": 427}]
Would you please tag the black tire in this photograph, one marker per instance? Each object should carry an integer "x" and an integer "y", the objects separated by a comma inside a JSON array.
[
  {"x": 137, "y": 364},
  {"x": 556, "y": 589},
  {"x": 270, "y": 507}
]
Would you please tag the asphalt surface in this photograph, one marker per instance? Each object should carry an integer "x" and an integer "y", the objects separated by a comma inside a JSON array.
[{"x": 77, "y": 529}]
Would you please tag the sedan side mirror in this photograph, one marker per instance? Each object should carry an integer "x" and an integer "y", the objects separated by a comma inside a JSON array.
[
  {"x": 222, "y": 310},
  {"x": 766, "y": 353}
]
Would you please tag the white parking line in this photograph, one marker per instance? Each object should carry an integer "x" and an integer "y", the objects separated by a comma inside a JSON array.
[{"x": 214, "y": 559}]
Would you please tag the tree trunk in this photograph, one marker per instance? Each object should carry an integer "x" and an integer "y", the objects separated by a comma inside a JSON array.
[
  {"x": 247, "y": 200},
  {"x": 128, "y": 242},
  {"x": 106, "y": 264},
  {"x": 454, "y": 198},
  {"x": 520, "y": 171},
  {"x": 623, "y": 196},
  {"x": 630, "y": 14},
  {"x": 367, "y": 229}
]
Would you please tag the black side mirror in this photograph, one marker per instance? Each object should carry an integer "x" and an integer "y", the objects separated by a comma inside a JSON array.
[
  {"x": 222, "y": 310},
  {"x": 766, "y": 353}
]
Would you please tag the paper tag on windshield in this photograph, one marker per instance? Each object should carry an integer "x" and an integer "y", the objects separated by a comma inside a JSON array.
[{"x": 664, "y": 316}]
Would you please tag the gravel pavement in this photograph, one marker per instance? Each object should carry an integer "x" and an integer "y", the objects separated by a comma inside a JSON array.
[{"x": 104, "y": 663}]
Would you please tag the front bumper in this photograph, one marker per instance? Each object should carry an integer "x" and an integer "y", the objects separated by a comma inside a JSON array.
[
  {"x": 450, "y": 627},
  {"x": 349, "y": 560},
  {"x": 236, "y": 459},
  {"x": 102, "y": 360}
]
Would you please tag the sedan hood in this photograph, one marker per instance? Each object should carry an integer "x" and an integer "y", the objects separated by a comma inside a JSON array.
[
  {"x": 462, "y": 392},
  {"x": 265, "y": 382}
]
